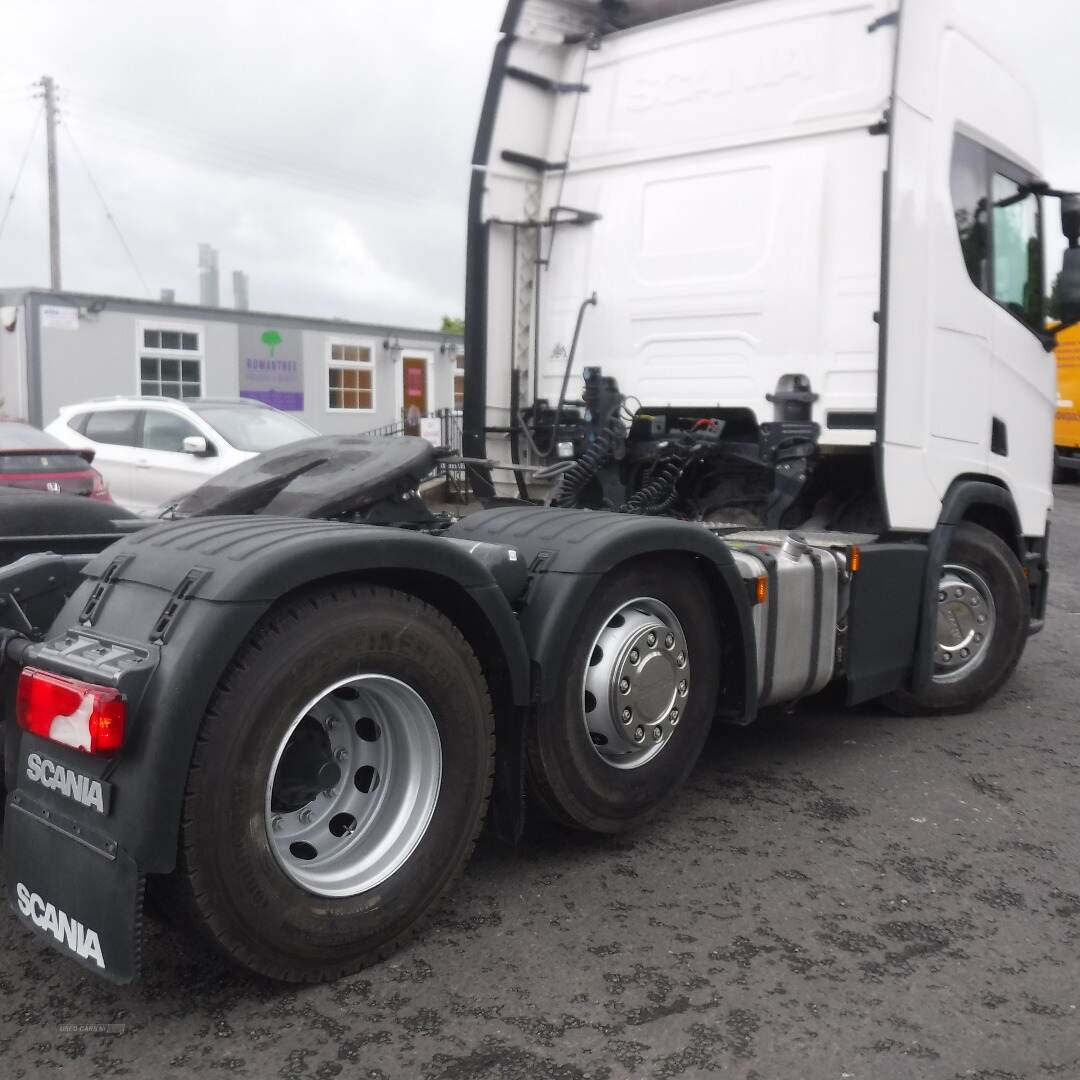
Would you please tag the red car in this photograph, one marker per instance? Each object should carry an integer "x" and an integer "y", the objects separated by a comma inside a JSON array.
[{"x": 31, "y": 459}]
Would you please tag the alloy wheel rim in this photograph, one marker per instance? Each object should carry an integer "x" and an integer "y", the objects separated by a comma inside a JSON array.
[{"x": 353, "y": 785}]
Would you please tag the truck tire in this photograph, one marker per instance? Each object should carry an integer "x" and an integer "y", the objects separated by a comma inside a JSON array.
[
  {"x": 638, "y": 701},
  {"x": 982, "y": 625},
  {"x": 338, "y": 783}
]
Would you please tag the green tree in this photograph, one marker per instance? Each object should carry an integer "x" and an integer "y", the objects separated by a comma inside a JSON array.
[
  {"x": 450, "y": 325},
  {"x": 271, "y": 339}
]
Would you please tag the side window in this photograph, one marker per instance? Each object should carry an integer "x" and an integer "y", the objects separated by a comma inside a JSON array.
[
  {"x": 115, "y": 426},
  {"x": 1016, "y": 251},
  {"x": 968, "y": 183},
  {"x": 166, "y": 431},
  {"x": 78, "y": 422}
]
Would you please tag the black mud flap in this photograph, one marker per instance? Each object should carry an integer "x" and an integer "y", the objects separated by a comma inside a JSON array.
[{"x": 78, "y": 897}]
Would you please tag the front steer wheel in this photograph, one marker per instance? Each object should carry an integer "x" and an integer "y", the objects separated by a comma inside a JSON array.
[
  {"x": 981, "y": 626},
  {"x": 338, "y": 783}
]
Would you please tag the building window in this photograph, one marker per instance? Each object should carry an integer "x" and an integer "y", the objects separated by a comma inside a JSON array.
[
  {"x": 459, "y": 381},
  {"x": 170, "y": 362},
  {"x": 351, "y": 377}
]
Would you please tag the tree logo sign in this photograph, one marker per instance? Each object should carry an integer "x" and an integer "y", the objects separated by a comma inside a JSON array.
[
  {"x": 271, "y": 339},
  {"x": 272, "y": 366}
]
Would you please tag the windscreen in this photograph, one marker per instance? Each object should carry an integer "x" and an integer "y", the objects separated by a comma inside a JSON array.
[{"x": 254, "y": 429}]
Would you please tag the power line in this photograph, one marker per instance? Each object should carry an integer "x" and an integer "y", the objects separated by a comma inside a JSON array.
[
  {"x": 108, "y": 213},
  {"x": 22, "y": 165}
]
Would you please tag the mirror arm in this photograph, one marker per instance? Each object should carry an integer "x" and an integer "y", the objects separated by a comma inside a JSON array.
[{"x": 1041, "y": 187}]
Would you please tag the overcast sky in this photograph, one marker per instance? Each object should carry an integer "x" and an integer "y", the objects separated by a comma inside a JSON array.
[{"x": 323, "y": 147}]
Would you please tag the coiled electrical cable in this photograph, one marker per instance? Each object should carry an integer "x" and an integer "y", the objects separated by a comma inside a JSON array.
[{"x": 585, "y": 468}]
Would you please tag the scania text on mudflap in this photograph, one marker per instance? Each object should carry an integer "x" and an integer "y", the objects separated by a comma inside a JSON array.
[{"x": 790, "y": 254}]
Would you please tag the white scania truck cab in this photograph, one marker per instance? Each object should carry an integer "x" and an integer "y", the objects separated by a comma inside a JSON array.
[
  {"x": 754, "y": 321},
  {"x": 784, "y": 208}
]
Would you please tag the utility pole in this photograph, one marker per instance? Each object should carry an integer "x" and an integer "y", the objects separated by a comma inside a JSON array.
[{"x": 49, "y": 92}]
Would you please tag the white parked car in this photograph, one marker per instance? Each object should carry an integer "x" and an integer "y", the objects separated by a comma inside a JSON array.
[{"x": 153, "y": 450}]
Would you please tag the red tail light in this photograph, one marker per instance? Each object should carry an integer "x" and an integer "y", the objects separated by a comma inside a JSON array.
[
  {"x": 98, "y": 489},
  {"x": 68, "y": 711}
]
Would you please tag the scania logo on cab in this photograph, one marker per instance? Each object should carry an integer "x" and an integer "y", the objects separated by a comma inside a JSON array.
[
  {"x": 70, "y": 784},
  {"x": 78, "y": 938}
]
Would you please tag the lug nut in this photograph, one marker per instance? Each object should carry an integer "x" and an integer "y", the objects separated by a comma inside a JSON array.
[
  {"x": 964, "y": 654},
  {"x": 958, "y": 593},
  {"x": 680, "y": 659},
  {"x": 978, "y": 637},
  {"x": 682, "y": 686},
  {"x": 651, "y": 639},
  {"x": 639, "y": 733},
  {"x": 974, "y": 601},
  {"x": 946, "y": 656},
  {"x": 331, "y": 723},
  {"x": 980, "y": 618},
  {"x": 941, "y": 595},
  {"x": 275, "y": 822},
  {"x": 627, "y": 715},
  {"x": 673, "y": 716},
  {"x": 669, "y": 640},
  {"x": 624, "y": 686},
  {"x": 305, "y": 816},
  {"x": 340, "y": 754},
  {"x": 634, "y": 656},
  {"x": 657, "y": 734}
]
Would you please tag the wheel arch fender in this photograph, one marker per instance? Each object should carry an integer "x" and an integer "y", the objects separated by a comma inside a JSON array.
[
  {"x": 984, "y": 502},
  {"x": 219, "y": 577},
  {"x": 570, "y": 551}
]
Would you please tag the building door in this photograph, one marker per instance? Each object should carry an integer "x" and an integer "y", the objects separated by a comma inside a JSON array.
[{"x": 414, "y": 392}]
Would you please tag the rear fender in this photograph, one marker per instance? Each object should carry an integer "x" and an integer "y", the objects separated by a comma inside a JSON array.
[{"x": 187, "y": 596}]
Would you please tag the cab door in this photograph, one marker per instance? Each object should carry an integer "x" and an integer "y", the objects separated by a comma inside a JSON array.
[
  {"x": 1023, "y": 385},
  {"x": 954, "y": 359}
]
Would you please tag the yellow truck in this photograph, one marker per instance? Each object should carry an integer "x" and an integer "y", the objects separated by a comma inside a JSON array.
[{"x": 1067, "y": 418}]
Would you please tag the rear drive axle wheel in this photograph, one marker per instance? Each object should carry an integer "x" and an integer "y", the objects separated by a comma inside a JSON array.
[
  {"x": 338, "y": 783},
  {"x": 637, "y": 700}
]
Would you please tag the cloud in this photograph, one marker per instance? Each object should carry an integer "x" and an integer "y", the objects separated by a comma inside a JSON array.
[{"x": 323, "y": 148}]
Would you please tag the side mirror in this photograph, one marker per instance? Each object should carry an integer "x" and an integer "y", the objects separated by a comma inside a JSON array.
[
  {"x": 1070, "y": 218},
  {"x": 196, "y": 444},
  {"x": 1068, "y": 288}
]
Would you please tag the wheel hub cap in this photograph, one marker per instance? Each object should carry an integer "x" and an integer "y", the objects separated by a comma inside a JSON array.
[
  {"x": 965, "y": 622},
  {"x": 637, "y": 683}
]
